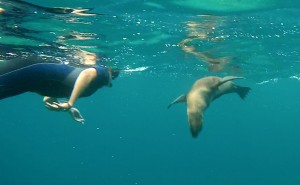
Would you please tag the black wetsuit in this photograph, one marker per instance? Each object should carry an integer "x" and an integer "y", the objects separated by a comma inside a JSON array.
[{"x": 48, "y": 79}]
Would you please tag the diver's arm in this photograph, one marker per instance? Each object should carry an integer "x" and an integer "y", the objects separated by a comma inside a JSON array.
[{"x": 83, "y": 81}]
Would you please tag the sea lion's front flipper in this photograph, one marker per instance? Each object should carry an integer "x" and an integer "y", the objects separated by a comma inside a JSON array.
[{"x": 180, "y": 99}]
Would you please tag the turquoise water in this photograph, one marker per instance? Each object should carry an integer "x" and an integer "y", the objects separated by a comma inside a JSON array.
[{"x": 130, "y": 137}]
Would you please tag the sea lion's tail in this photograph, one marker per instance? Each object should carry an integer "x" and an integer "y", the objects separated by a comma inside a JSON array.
[{"x": 242, "y": 91}]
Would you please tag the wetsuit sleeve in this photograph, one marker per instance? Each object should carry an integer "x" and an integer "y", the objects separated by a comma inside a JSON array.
[{"x": 102, "y": 76}]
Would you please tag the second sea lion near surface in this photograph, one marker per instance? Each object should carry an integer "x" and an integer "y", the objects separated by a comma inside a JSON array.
[{"x": 202, "y": 93}]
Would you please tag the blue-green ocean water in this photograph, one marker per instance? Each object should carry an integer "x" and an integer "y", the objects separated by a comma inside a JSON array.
[{"x": 130, "y": 137}]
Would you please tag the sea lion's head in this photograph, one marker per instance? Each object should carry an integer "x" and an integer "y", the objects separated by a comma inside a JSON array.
[{"x": 195, "y": 120}]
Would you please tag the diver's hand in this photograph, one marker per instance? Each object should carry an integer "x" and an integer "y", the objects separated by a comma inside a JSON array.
[
  {"x": 56, "y": 106},
  {"x": 76, "y": 115},
  {"x": 49, "y": 103}
]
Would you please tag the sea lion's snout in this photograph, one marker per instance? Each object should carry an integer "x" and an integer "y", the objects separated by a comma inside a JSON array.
[{"x": 195, "y": 121}]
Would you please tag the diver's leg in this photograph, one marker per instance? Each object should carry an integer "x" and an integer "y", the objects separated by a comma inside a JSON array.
[{"x": 18, "y": 63}]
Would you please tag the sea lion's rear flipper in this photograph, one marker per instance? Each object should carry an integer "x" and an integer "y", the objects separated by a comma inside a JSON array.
[
  {"x": 180, "y": 99},
  {"x": 216, "y": 82},
  {"x": 242, "y": 91},
  {"x": 229, "y": 78},
  {"x": 224, "y": 80}
]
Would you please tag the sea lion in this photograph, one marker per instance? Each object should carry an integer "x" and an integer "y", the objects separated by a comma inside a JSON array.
[{"x": 202, "y": 93}]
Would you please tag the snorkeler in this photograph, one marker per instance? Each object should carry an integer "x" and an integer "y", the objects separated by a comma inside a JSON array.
[{"x": 55, "y": 81}]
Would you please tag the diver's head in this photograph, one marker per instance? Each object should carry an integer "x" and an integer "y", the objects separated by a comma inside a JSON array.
[{"x": 114, "y": 73}]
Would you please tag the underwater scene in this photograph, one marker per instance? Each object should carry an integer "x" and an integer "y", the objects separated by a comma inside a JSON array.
[{"x": 193, "y": 92}]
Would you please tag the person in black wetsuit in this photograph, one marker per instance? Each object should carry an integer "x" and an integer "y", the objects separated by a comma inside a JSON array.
[{"x": 55, "y": 80}]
